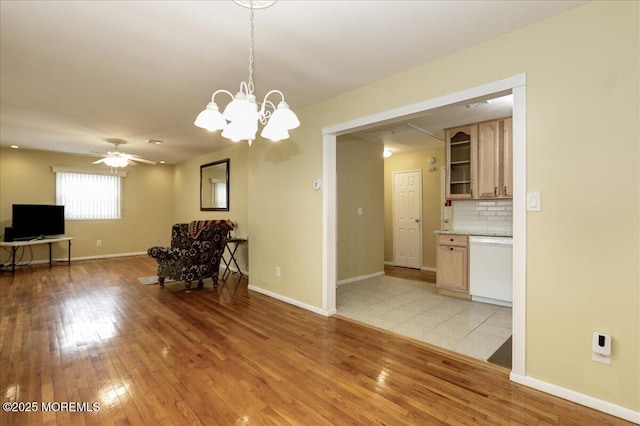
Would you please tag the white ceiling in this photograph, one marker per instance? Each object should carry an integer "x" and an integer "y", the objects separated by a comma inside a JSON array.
[{"x": 76, "y": 73}]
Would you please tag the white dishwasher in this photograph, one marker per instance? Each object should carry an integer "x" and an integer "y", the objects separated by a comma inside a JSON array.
[{"x": 490, "y": 269}]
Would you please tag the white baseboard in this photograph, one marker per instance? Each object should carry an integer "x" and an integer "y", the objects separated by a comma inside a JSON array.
[
  {"x": 291, "y": 301},
  {"x": 102, "y": 256},
  {"x": 578, "y": 398},
  {"x": 245, "y": 273},
  {"x": 106, "y": 256},
  {"x": 74, "y": 259},
  {"x": 360, "y": 278}
]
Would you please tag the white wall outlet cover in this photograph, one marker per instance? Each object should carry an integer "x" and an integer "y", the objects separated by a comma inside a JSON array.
[
  {"x": 601, "y": 346},
  {"x": 533, "y": 201},
  {"x": 317, "y": 184}
]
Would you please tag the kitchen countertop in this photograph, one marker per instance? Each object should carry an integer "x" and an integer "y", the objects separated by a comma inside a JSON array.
[{"x": 478, "y": 233}]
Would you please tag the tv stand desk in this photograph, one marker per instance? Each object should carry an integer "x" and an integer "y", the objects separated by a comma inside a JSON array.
[{"x": 15, "y": 244}]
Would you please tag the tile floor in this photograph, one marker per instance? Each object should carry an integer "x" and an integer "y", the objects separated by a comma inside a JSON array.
[{"x": 415, "y": 309}]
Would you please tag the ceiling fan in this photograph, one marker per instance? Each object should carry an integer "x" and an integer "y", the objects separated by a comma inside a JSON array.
[{"x": 117, "y": 158}]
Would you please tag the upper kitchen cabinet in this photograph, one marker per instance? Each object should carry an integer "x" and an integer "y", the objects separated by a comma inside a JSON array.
[
  {"x": 479, "y": 160},
  {"x": 507, "y": 158},
  {"x": 461, "y": 146},
  {"x": 488, "y": 159}
]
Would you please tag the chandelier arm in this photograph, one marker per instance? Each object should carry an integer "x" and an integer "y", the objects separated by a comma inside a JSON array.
[
  {"x": 273, "y": 91},
  {"x": 264, "y": 113},
  {"x": 220, "y": 91},
  {"x": 247, "y": 88}
]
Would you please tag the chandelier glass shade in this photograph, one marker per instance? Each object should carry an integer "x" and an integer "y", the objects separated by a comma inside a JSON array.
[{"x": 240, "y": 118}]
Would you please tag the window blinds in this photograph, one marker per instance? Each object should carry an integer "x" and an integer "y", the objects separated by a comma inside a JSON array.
[{"x": 88, "y": 196}]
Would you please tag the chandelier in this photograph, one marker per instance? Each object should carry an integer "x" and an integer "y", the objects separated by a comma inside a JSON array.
[{"x": 240, "y": 118}]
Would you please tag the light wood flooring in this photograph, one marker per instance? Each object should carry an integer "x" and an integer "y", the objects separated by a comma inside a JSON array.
[
  {"x": 413, "y": 308},
  {"x": 91, "y": 333}
]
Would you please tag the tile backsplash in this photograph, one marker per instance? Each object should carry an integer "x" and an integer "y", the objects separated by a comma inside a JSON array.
[{"x": 483, "y": 215}]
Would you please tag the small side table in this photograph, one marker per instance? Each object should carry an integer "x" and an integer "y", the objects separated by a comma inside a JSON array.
[{"x": 232, "y": 248}]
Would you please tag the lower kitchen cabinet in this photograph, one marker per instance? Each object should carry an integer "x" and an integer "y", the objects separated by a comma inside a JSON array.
[{"x": 452, "y": 278}]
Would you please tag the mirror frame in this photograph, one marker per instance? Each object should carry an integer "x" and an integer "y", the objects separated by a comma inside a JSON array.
[{"x": 227, "y": 174}]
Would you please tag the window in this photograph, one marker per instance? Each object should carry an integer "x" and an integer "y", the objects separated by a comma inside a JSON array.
[
  {"x": 220, "y": 194},
  {"x": 88, "y": 196}
]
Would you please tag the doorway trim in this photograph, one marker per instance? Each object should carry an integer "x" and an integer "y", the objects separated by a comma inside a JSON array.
[{"x": 517, "y": 85}]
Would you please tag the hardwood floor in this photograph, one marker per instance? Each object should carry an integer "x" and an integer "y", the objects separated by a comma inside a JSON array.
[
  {"x": 410, "y": 274},
  {"x": 92, "y": 333}
]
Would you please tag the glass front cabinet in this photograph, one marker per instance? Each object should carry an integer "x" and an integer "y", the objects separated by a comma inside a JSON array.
[{"x": 461, "y": 147}]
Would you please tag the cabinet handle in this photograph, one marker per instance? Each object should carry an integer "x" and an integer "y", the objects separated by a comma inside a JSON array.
[
  {"x": 451, "y": 248},
  {"x": 495, "y": 191},
  {"x": 505, "y": 190},
  {"x": 451, "y": 239},
  {"x": 471, "y": 192}
]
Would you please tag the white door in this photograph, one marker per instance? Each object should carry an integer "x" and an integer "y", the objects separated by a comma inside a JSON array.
[{"x": 407, "y": 218}]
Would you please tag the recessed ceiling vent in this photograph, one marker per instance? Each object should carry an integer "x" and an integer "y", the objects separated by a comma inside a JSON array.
[{"x": 477, "y": 104}]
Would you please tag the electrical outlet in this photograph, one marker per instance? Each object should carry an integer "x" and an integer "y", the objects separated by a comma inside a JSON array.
[
  {"x": 277, "y": 271},
  {"x": 601, "y": 346},
  {"x": 604, "y": 359},
  {"x": 98, "y": 243}
]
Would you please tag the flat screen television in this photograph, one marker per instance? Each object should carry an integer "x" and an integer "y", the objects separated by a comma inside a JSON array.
[{"x": 37, "y": 221}]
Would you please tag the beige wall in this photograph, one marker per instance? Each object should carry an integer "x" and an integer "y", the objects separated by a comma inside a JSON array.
[
  {"x": 360, "y": 186},
  {"x": 187, "y": 194},
  {"x": 285, "y": 213},
  {"x": 582, "y": 249},
  {"x": 147, "y": 200},
  {"x": 431, "y": 209}
]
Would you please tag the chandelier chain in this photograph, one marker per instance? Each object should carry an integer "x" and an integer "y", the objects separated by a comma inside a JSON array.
[{"x": 250, "y": 88}]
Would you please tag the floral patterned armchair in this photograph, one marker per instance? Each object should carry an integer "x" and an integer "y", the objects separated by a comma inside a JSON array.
[{"x": 195, "y": 252}]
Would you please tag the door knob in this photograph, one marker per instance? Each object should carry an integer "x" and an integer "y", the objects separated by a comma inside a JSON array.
[{"x": 416, "y": 220}]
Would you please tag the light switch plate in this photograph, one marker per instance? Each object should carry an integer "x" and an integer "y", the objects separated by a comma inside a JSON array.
[{"x": 533, "y": 202}]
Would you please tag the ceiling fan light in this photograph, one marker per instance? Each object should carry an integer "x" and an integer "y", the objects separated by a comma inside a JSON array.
[
  {"x": 116, "y": 162},
  {"x": 210, "y": 118}
]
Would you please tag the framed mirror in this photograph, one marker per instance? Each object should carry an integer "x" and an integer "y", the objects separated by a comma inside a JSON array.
[{"x": 214, "y": 186}]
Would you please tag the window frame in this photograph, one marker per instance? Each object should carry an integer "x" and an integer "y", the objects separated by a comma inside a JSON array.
[{"x": 59, "y": 198}]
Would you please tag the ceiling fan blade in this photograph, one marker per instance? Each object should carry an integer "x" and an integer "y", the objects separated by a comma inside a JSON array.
[
  {"x": 142, "y": 160},
  {"x": 99, "y": 161}
]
